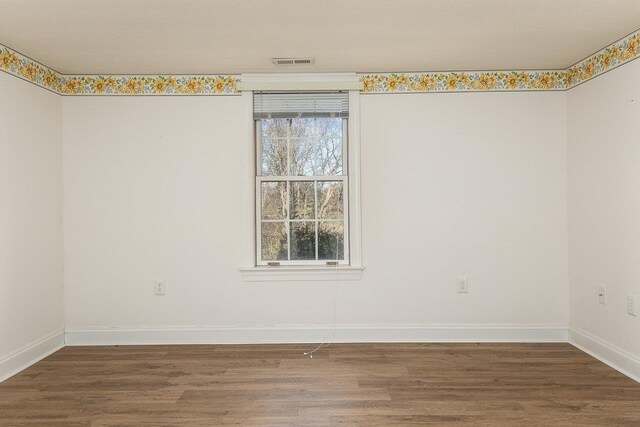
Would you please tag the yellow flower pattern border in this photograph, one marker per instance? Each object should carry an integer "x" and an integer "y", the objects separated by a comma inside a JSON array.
[
  {"x": 149, "y": 85},
  {"x": 464, "y": 81},
  {"x": 612, "y": 56},
  {"x": 20, "y": 66}
]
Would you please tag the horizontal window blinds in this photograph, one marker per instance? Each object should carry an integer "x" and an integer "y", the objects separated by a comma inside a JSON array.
[{"x": 288, "y": 105}]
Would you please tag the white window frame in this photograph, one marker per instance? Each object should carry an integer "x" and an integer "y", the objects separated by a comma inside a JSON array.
[
  {"x": 289, "y": 178},
  {"x": 303, "y": 270}
]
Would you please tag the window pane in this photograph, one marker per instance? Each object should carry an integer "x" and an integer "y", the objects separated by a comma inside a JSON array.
[
  {"x": 303, "y": 240},
  {"x": 274, "y": 241},
  {"x": 330, "y": 200},
  {"x": 329, "y": 157},
  {"x": 303, "y": 200},
  {"x": 274, "y": 128},
  {"x": 330, "y": 241},
  {"x": 329, "y": 136},
  {"x": 302, "y": 156},
  {"x": 301, "y": 128},
  {"x": 317, "y": 148},
  {"x": 330, "y": 127},
  {"x": 316, "y": 157},
  {"x": 274, "y": 157},
  {"x": 274, "y": 200},
  {"x": 274, "y": 146}
]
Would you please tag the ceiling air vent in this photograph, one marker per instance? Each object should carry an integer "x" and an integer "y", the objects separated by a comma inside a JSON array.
[{"x": 292, "y": 61}]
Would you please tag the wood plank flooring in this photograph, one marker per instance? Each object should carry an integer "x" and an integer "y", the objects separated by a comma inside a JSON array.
[{"x": 343, "y": 385}]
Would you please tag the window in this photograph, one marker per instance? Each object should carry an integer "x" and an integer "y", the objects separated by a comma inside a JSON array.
[{"x": 301, "y": 178}]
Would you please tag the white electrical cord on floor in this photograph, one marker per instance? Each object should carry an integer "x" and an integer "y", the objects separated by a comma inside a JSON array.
[{"x": 327, "y": 342}]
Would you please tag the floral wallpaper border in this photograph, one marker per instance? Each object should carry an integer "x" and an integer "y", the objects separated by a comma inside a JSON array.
[
  {"x": 27, "y": 69},
  {"x": 149, "y": 85},
  {"x": 616, "y": 54},
  {"x": 612, "y": 56},
  {"x": 464, "y": 81}
]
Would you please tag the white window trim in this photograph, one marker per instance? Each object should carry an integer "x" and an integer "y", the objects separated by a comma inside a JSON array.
[
  {"x": 301, "y": 273},
  {"x": 353, "y": 271}
]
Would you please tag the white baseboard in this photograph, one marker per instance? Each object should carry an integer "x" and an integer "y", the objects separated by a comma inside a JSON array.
[
  {"x": 619, "y": 359},
  {"x": 624, "y": 362},
  {"x": 315, "y": 334},
  {"x": 30, "y": 354}
]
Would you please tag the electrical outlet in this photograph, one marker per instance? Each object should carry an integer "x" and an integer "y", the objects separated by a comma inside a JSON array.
[
  {"x": 602, "y": 295},
  {"x": 463, "y": 285},
  {"x": 632, "y": 305},
  {"x": 159, "y": 288}
]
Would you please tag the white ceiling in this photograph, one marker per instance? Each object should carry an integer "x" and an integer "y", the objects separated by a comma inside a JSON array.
[{"x": 235, "y": 36}]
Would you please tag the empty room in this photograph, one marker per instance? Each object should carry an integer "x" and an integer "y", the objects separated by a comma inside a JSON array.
[{"x": 319, "y": 212}]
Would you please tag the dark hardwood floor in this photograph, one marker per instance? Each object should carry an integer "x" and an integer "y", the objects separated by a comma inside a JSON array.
[{"x": 344, "y": 384}]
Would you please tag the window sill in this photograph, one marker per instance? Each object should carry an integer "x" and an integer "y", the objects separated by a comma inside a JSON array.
[{"x": 301, "y": 274}]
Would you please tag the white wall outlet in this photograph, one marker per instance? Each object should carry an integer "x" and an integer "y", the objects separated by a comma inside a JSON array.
[
  {"x": 159, "y": 288},
  {"x": 602, "y": 295},
  {"x": 632, "y": 305},
  {"x": 463, "y": 285}
]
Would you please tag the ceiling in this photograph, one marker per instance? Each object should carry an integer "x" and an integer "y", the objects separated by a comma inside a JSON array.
[{"x": 236, "y": 36}]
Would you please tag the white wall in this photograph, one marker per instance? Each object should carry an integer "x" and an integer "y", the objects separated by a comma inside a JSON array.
[
  {"x": 452, "y": 183},
  {"x": 466, "y": 183},
  {"x": 604, "y": 204},
  {"x": 31, "y": 282}
]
